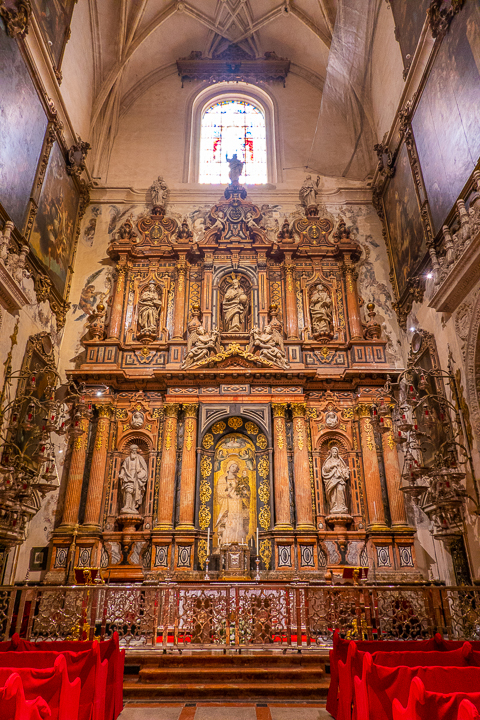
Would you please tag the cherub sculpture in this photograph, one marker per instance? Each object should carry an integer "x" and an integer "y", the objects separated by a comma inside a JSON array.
[
  {"x": 200, "y": 345},
  {"x": 269, "y": 345}
]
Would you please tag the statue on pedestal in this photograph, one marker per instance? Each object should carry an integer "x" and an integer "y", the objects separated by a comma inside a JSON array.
[
  {"x": 159, "y": 192},
  {"x": 321, "y": 312},
  {"x": 236, "y": 168},
  {"x": 335, "y": 474},
  {"x": 133, "y": 478},
  {"x": 235, "y": 304},
  {"x": 150, "y": 305},
  {"x": 308, "y": 191}
]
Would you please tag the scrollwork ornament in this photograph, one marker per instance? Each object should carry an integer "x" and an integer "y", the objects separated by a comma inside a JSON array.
[
  {"x": 202, "y": 552},
  {"x": 264, "y": 517},
  {"x": 235, "y": 423},
  {"x": 205, "y": 466},
  {"x": 266, "y": 552},
  {"x": 251, "y": 428},
  {"x": 261, "y": 441},
  {"x": 207, "y": 441},
  {"x": 16, "y": 20},
  {"x": 263, "y": 466},
  {"x": 218, "y": 428},
  {"x": 204, "y": 517},
  {"x": 441, "y": 15}
]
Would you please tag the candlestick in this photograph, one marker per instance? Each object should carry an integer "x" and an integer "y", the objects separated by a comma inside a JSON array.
[
  {"x": 257, "y": 562},
  {"x": 208, "y": 541},
  {"x": 257, "y": 540},
  {"x": 207, "y": 576}
]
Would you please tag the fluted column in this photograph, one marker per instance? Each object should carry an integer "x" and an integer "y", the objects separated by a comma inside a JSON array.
[
  {"x": 303, "y": 491},
  {"x": 75, "y": 476},
  {"x": 393, "y": 477},
  {"x": 280, "y": 458},
  {"x": 166, "y": 491},
  {"x": 93, "y": 507},
  {"x": 187, "y": 479},
  {"x": 115, "y": 326},
  {"x": 291, "y": 303},
  {"x": 356, "y": 330},
  {"x": 373, "y": 487},
  {"x": 178, "y": 320}
]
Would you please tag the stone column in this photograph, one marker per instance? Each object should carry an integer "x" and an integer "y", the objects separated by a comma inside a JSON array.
[
  {"x": 116, "y": 315},
  {"x": 93, "y": 508},
  {"x": 291, "y": 303},
  {"x": 189, "y": 462},
  {"x": 393, "y": 477},
  {"x": 178, "y": 320},
  {"x": 75, "y": 476},
  {"x": 373, "y": 488},
  {"x": 166, "y": 491},
  {"x": 355, "y": 323},
  {"x": 301, "y": 469},
  {"x": 280, "y": 458}
]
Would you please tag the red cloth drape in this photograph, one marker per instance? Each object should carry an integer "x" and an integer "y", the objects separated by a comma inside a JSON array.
[{"x": 13, "y": 705}]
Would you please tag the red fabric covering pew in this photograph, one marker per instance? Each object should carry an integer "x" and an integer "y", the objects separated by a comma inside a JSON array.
[
  {"x": 340, "y": 649},
  {"x": 347, "y": 672},
  {"x": 85, "y": 665},
  {"x": 52, "y": 684},
  {"x": 109, "y": 650},
  {"x": 379, "y": 686},
  {"x": 13, "y": 705},
  {"x": 425, "y": 705}
]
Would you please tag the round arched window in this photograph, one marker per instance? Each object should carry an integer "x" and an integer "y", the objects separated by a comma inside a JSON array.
[{"x": 231, "y": 127}]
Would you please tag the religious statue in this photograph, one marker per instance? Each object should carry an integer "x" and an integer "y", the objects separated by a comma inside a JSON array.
[
  {"x": 219, "y": 224},
  {"x": 236, "y": 167},
  {"x": 235, "y": 304},
  {"x": 184, "y": 233},
  {"x": 149, "y": 310},
  {"x": 159, "y": 191},
  {"x": 137, "y": 420},
  {"x": 251, "y": 224},
  {"x": 308, "y": 191},
  {"x": 321, "y": 312},
  {"x": 233, "y": 497},
  {"x": 335, "y": 474},
  {"x": 270, "y": 345},
  {"x": 133, "y": 478},
  {"x": 201, "y": 344},
  {"x": 285, "y": 233},
  {"x": 331, "y": 419}
]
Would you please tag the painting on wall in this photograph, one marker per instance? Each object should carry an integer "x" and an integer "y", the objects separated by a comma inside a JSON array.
[
  {"x": 407, "y": 243},
  {"x": 446, "y": 123},
  {"x": 409, "y": 21},
  {"x": 234, "y": 502},
  {"x": 23, "y": 124},
  {"x": 54, "y": 17},
  {"x": 53, "y": 234}
]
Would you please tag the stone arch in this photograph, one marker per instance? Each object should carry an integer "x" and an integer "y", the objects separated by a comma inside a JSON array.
[{"x": 472, "y": 368}]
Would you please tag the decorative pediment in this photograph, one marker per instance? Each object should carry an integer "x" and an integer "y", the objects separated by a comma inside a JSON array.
[
  {"x": 234, "y": 63},
  {"x": 153, "y": 233},
  {"x": 314, "y": 231},
  {"x": 234, "y": 356},
  {"x": 235, "y": 221}
]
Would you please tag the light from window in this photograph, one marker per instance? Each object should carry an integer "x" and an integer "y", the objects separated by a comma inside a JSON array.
[{"x": 228, "y": 127}]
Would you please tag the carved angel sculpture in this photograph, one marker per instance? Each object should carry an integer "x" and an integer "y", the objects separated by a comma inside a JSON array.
[
  {"x": 200, "y": 345},
  {"x": 269, "y": 343}
]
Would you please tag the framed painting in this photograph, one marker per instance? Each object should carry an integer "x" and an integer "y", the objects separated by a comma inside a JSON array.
[
  {"x": 54, "y": 18},
  {"x": 38, "y": 558},
  {"x": 52, "y": 239},
  {"x": 23, "y": 124},
  {"x": 409, "y": 20},
  {"x": 446, "y": 123},
  {"x": 405, "y": 231}
]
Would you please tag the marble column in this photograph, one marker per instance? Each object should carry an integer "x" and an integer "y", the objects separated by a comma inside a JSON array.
[
  {"x": 355, "y": 323},
  {"x": 280, "y": 457},
  {"x": 178, "y": 320},
  {"x": 75, "y": 476},
  {"x": 301, "y": 469},
  {"x": 291, "y": 303},
  {"x": 393, "y": 477},
  {"x": 373, "y": 487},
  {"x": 93, "y": 507},
  {"x": 189, "y": 460},
  {"x": 116, "y": 315},
  {"x": 166, "y": 491}
]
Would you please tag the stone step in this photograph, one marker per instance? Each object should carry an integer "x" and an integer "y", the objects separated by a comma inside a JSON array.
[
  {"x": 212, "y": 660},
  {"x": 230, "y": 674},
  {"x": 272, "y": 690}
]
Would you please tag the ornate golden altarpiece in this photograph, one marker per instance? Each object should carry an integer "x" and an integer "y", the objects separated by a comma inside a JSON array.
[{"x": 235, "y": 365}]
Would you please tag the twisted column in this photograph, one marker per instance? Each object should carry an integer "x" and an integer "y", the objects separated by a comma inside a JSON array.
[
  {"x": 93, "y": 507},
  {"x": 393, "y": 477},
  {"x": 115, "y": 325},
  {"x": 166, "y": 490},
  {"x": 303, "y": 491},
  {"x": 187, "y": 479},
  {"x": 75, "y": 475},
  {"x": 178, "y": 324},
  {"x": 280, "y": 457},
  {"x": 355, "y": 323},
  {"x": 373, "y": 487},
  {"x": 291, "y": 303}
]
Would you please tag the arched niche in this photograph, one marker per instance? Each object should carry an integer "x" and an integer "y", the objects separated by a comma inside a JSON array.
[
  {"x": 235, "y": 303},
  {"x": 323, "y": 447},
  {"x": 145, "y": 449}
]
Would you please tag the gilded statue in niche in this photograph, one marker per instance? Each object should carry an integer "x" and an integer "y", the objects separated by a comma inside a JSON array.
[
  {"x": 133, "y": 478},
  {"x": 321, "y": 312},
  {"x": 335, "y": 474},
  {"x": 235, "y": 306},
  {"x": 149, "y": 307},
  {"x": 235, "y": 490}
]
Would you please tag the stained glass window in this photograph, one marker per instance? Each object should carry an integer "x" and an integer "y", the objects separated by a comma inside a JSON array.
[{"x": 228, "y": 127}]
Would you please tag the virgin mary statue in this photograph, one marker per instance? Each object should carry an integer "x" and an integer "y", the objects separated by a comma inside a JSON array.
[
  {"x": 335, "y": 474},
  {"x": 233, "y": 501}
]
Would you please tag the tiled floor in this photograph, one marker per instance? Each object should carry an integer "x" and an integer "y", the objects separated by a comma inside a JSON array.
[{"x": 224, "y": 711}]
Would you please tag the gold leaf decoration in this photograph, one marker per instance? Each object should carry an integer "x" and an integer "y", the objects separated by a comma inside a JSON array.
[
  {"x": 262, "y": 442},
  {"x": 264, "y": 492},
  {"x": 218, "y": 428},
  {"x": 235, "y": 423},
  {"x": 251, "y": 428},
  {"x": 204, "y": 517},
  {"x": 266, "y": 552},
  {"x": 207, "y": 441},
  {"x": 263, "y": 466},
  {"x": 205, "y": 491},
  {"x": 264, "y": 517},
  {"x": 205, "y": 466},
  {"x": 202, "y": 552}
]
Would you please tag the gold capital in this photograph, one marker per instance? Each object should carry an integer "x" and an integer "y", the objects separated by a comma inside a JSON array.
[
  {"x": 171, "y": 409},
  {"x": 104, "y": 411},
  {"x": 364, "y": 410},
  {"x": 279, "y": 409},
  {"x": 298, "y": 409},
  {"x": 190, "y": 409}
]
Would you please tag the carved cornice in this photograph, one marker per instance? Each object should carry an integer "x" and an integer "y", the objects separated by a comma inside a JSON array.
[
  {"x": 233, "y": 64},
  {"x": 16, "y": 20}
]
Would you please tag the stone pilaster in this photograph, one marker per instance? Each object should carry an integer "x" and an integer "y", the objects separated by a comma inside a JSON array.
[
  {"x": 303, "y": 491},
  {"x": 169, "y": 465},
  {"x": 187, "y": 480},
  {"x": 355, "y": 323},
  {"x": 178, "y": 320},
  {"x": 116, "y": 315},
  {"x": 280, "y": 457},
  {"x": 75, "y": 477},
  {"x": 291, "y": 303},
  {"x": 373, "y": 487},
  {"x": 393, "y": 478},
  {"x": 93, "y": 507}
]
